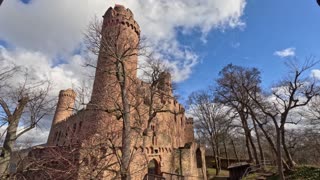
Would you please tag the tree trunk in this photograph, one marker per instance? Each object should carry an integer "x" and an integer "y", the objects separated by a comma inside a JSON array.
[
  {"x": 249, "y": 140},
  {"x": 11, "y": 136},
  {"x": 279, "y": 155},
  {"x": 8, "y": 146},
  {"x": 216, "y": 156},
  {"x": 225, "y": 151},
  {"x": 291, "y": 163},
  {"x": 235, "y": 150},
  {"x": 126, "y": 143},
  {"x": 258, "y": 140},
  {"x": 267, "y": 136},
  {"x": 249, "y": 150},
  {"x": 126, "y": 131},
  {"x": 272, "y": 145},
  {"x": 254, "y": 149}
]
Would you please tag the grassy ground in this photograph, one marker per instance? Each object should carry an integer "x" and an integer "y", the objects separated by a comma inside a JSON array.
[
  {"x": 305, "y": 173},
  {"x": 212, "y": 172},
  {"x": 299, "y": 173},
  {"x": 251, "y": 177}
]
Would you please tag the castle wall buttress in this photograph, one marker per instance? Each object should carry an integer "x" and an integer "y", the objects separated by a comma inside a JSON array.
[{"x": 189, "y": 130}]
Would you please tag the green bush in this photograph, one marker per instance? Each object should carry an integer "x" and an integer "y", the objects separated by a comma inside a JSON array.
[{"x": 305, "y": 173}]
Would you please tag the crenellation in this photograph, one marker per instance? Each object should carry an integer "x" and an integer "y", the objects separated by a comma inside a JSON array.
[
  {"x": 128, "y": 24},
  {"x": 120, "y": 15}
]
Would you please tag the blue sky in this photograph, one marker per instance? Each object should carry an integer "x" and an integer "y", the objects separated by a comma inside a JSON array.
[
  {"x": 26, "y": 1},
  {"x": 270, "y": 26}
]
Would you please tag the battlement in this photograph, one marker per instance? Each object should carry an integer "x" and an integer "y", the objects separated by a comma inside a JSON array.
[
  {"x": 165, "y": 82},
  {"x": 189, "y": 121},
  {"x": 120, "y": 15},
  {"x": 165, "y": 75},
  {"x": 69, "y": 93}
]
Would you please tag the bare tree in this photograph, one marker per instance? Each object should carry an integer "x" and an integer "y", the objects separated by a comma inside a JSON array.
[
  {"x": 295, "y": 91},
  {"x": 213, "y": 120},
  {"x": 304, "y": 141},
  {"x": 23, "y": 106},
  {"x": 312, "y": 112},
  {"x": 230, "y": 91}
]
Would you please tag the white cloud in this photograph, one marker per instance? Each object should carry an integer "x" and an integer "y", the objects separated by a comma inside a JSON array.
[
  {"x": 288, "y": 52},
  {"x": 52, "y": 27},
  {"x": 41, "y": 67},
  {"x": 315, "y": 73},
  {"x": 57, "y": 27}
]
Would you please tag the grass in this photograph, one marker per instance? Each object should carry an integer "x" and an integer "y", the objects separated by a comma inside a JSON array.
[
  {"x": 212, "y": 172},
  {"x": 299, "y": 173},
  {"x": 305, "y": 173},
  {"x": 251, "y": 176}
]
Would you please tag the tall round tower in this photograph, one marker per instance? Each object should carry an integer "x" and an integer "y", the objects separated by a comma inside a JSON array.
[
  {"x": 65, "y": 105},
  {"x": 119, "y": 44},
  {"x": 63, "y": 111}
]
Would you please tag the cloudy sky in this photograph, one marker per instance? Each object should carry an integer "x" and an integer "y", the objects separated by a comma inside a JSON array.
[{"x": 196, "y": 37}]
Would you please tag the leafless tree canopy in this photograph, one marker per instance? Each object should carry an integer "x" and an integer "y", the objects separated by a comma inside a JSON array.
[
  {"x": 265, "y": 117},
  {"x": 23, "y": 104},
  {"x": 213, "y": 121}
]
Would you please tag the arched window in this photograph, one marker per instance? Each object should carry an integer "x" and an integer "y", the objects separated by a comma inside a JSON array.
[{"x": 199, "y": 158}]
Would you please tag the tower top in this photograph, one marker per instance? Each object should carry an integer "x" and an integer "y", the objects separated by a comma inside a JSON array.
[
  {"x": 120, "y": 14},
  {"x": 119, "y": 6},
  {"x": 189, "y": 120},
  {"x": 68, "y": 92}
]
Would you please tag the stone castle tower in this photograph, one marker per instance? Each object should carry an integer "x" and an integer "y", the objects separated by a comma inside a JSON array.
[
  {"x": 65, "y": 105},
  {"x": 123, "y": 34},
  {"x": 64, "y": 109},
  {"x": 164, "y": 146}
]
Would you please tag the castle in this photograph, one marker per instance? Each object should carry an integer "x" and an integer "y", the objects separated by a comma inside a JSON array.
[{"x": 89, "y": 141}]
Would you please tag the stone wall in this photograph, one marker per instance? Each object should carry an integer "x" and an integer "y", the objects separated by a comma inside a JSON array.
[{"x": 191, "y": 162}]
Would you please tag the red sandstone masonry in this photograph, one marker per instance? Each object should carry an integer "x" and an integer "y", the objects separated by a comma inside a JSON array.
[{"x": 170, "y": 135}]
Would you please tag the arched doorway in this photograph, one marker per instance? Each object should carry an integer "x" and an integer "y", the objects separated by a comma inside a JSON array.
[
  {"x": 199, "y": 158},
  {"x": 153, "y": 167}
]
